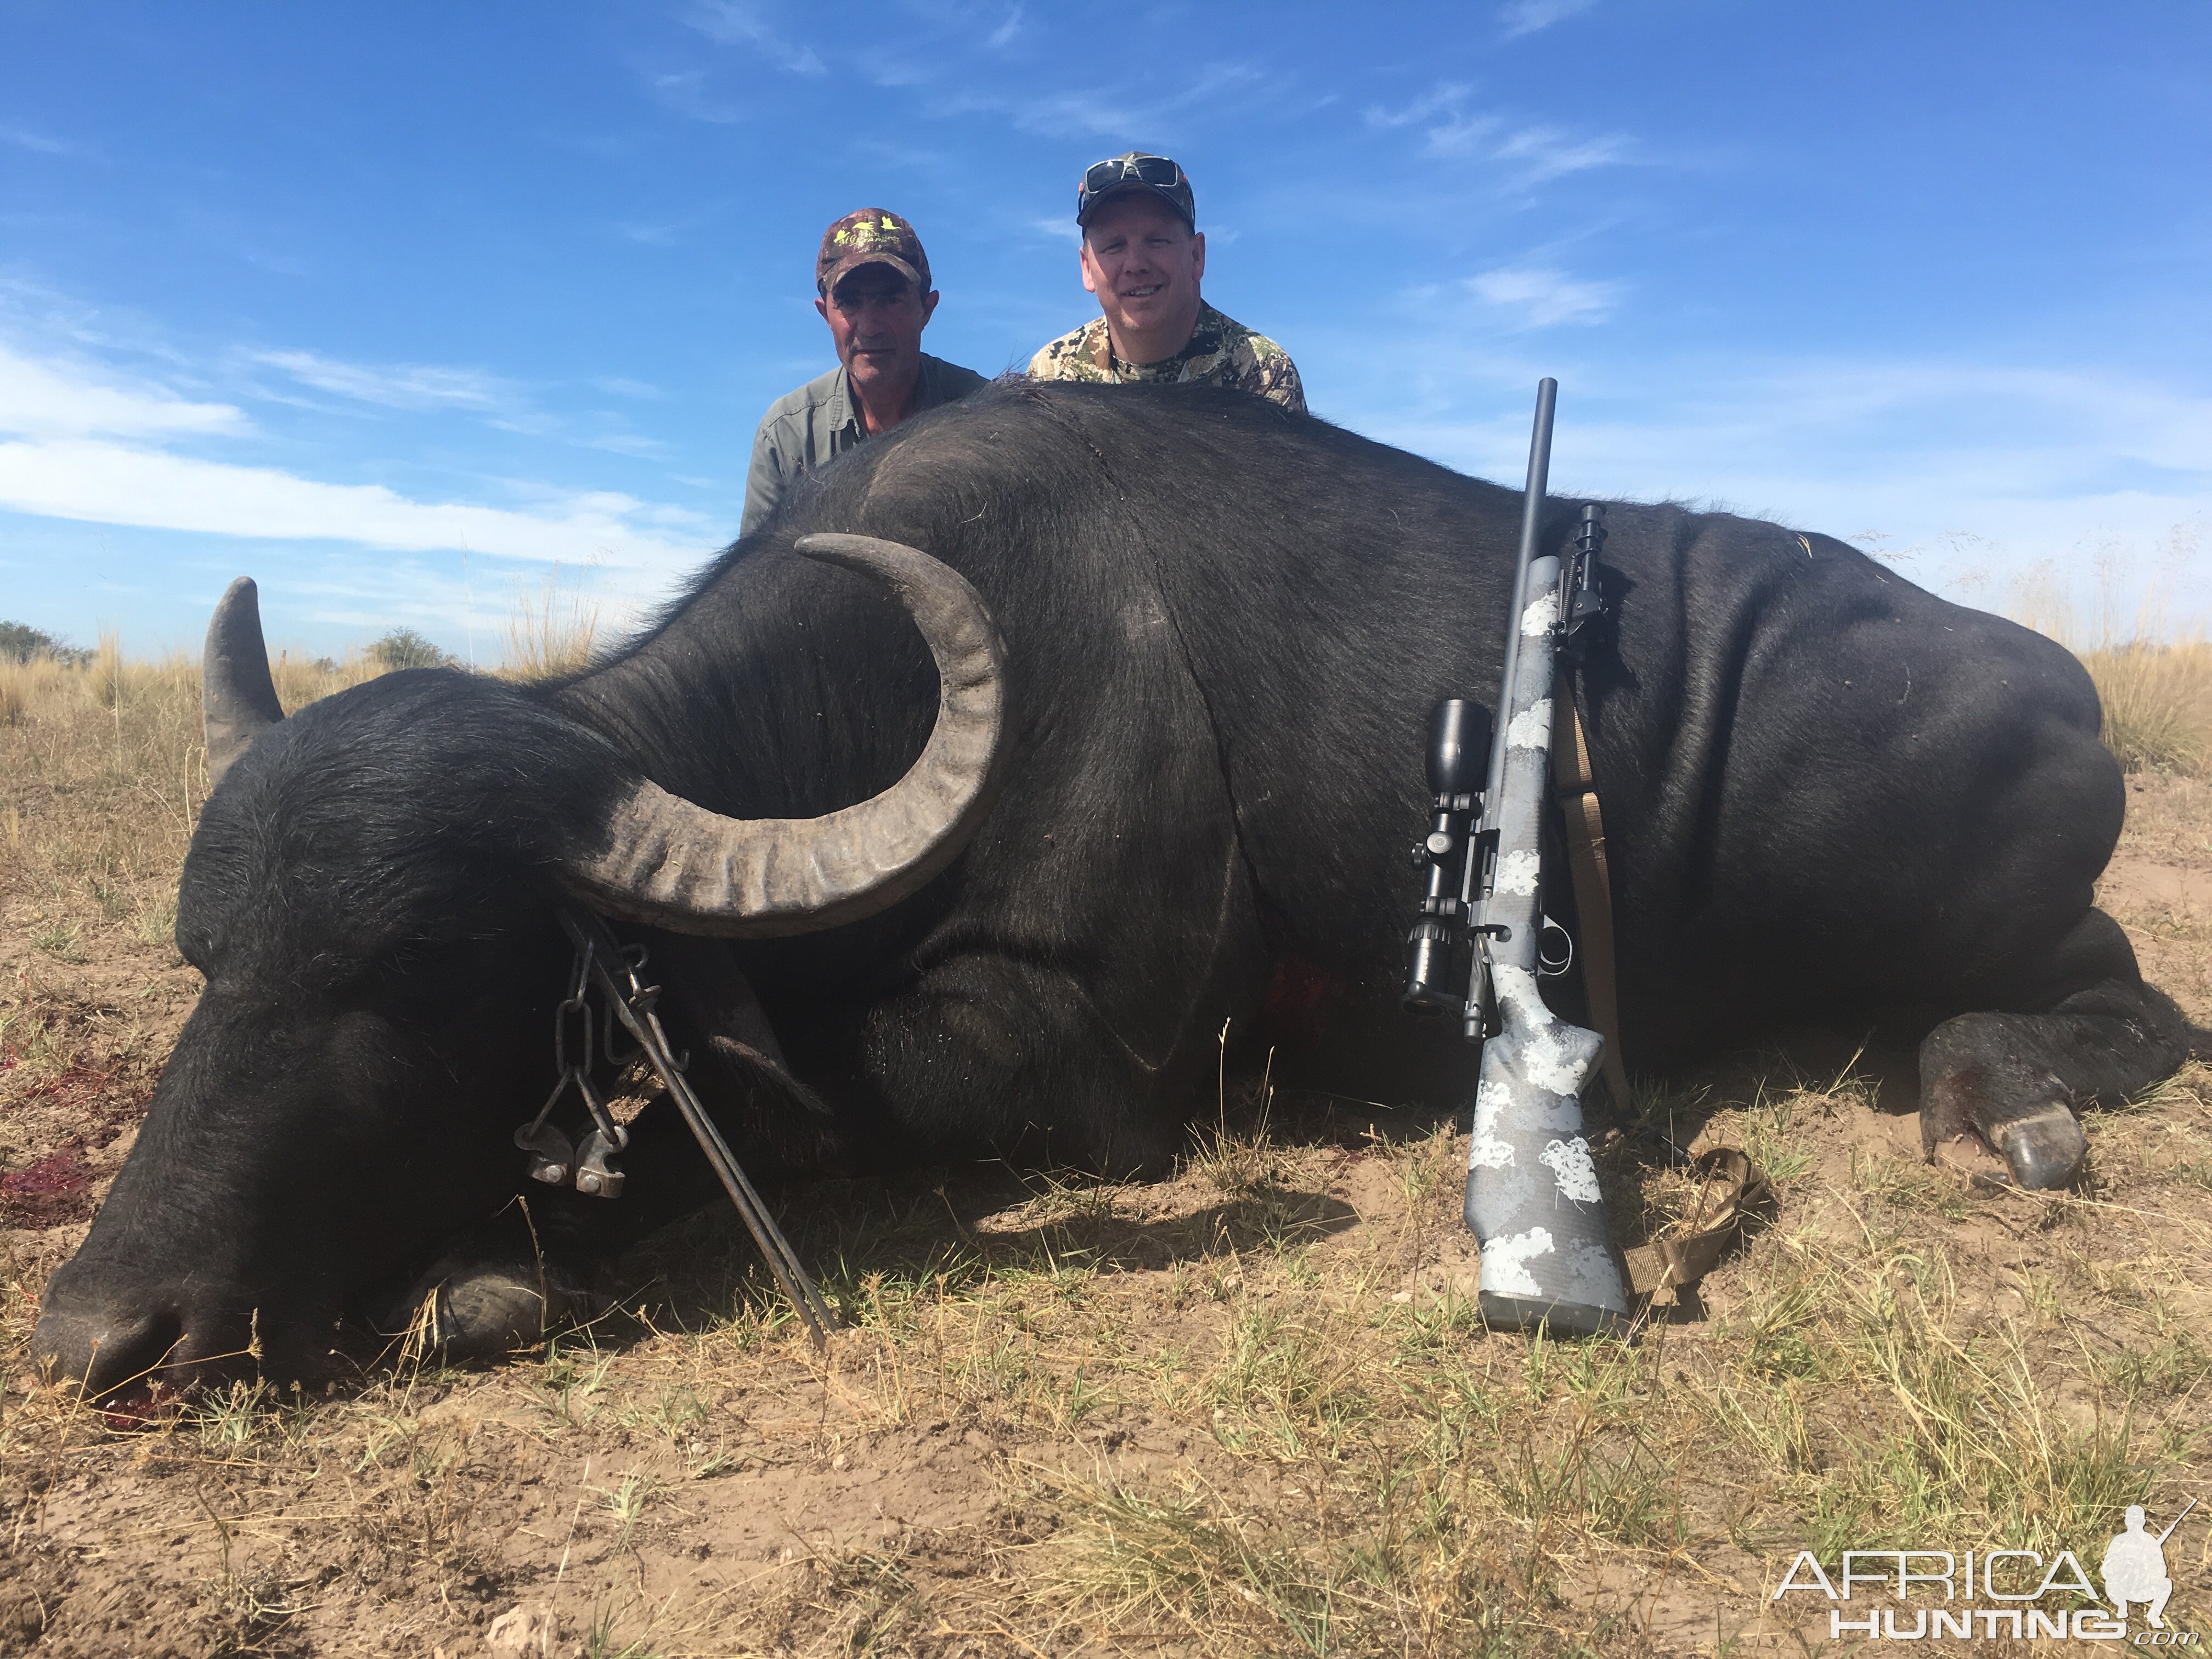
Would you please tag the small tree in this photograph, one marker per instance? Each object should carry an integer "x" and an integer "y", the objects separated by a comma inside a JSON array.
[
  {"x": 20, "y": 643},
  {"x": 403, "y": 647}
]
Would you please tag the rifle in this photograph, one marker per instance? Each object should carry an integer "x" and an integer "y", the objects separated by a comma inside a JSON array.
[{"x": 1532, "y": 1193}]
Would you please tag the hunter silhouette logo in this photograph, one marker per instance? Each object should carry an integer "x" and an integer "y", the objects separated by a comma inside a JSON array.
[
  {"x": 2004, "y": 1594},
  {"x": 2134, "y": 1568}
]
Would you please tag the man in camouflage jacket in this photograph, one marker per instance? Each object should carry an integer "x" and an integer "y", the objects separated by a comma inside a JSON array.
[{"x": 1143, "y": 256}]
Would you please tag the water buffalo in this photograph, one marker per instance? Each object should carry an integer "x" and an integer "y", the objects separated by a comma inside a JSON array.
[{"x": 1196, "y": 760}]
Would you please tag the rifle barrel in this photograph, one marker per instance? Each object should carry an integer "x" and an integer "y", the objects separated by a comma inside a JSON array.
[
  {"x": 2176, "y": 1521},
  {"x": 1532, "y": 520}
]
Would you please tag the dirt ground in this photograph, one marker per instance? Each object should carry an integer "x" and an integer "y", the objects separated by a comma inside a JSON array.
[{"x": 1244, "y": 1411}]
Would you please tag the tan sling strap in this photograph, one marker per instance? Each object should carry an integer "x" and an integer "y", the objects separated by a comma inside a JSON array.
[
  {"x": 1576, "y": 791},
  {"x": 1730, "y": 1187}
]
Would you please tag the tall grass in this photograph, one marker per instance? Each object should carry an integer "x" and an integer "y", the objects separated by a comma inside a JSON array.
[
  {"x": 2154, "y": 678},
  {"x": 551, "y": 631},
  {"x": 2158, "y": 703}
]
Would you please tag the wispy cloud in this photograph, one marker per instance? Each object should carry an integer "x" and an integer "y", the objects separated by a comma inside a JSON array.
[
  {"x": 39, "y": 143},
  {"x": 1541, "y": 298},
  {"x": 1059, "y": 228},
  {"x": 80, "y": 442},
  {"x": 403, "y": 386},
  {"x": 1115, "y": 112},
  {"x": 112, "y": 484},
  {"x": 737, "y": 23},
  {"x": 59, "y": 397},
  {"x": 1527, "y": 16},
  {"x": 685, "y": 92},
  {"x": 626, "y": 443},
  {"x": 1526, "y": 154},
  {"x": 1446, "y": 98},
  {"x": 1542, "y": 153},
  {"x": 2042, "y": 462}
]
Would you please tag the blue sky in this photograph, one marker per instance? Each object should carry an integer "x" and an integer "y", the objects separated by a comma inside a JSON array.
[{"x": 393, "y": 306}]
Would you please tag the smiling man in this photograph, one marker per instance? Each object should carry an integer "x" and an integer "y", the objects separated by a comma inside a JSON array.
[
  {"x": 871, "y": 284},
  {"x": 1143, "y": 255}
]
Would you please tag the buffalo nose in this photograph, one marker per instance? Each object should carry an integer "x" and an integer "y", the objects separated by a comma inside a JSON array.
[{"x": 105, "y": 1351}]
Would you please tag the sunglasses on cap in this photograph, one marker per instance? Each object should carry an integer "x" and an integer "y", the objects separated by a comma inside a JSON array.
[{"x": 1157, "y": 171}]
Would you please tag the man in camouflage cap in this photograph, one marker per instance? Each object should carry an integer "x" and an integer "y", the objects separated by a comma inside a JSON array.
[
  {"x": 871, "y": 286},
  {"x": 1143, "y": 255}
]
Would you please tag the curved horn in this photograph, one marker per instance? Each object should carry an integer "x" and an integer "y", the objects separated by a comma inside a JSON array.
[
  {"x": 669, "y": 862},
  {"x": 238, "y": 700}
]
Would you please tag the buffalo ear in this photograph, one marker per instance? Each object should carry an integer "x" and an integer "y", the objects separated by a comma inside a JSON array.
[
  {"x": 717, "y": 1001},
  {"x": 238, "y": 700},
  {"x": 751, "y": 1069}
]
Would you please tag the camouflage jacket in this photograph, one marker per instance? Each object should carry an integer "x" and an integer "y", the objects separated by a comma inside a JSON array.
[{"x": 1221, "y": 352}]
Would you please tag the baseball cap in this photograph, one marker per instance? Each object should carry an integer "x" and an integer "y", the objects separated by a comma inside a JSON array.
[
  {"x": 872, "y": 236},
  {"x": 1134, "y": 171}
]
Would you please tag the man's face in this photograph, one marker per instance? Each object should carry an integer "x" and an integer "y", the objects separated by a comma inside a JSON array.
[
  {"x": 1143, "y": 264},
  {"x": 876, "y": 318}
]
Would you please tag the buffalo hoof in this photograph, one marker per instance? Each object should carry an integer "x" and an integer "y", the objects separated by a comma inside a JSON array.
[
  {"x": 1973, "y": 1085},
  {"x": 2046, "y": 1148},
  {"x": 482, "y": 1310}
]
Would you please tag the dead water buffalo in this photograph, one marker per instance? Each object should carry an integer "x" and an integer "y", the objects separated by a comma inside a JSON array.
[{"x": 1196, "y": 760}]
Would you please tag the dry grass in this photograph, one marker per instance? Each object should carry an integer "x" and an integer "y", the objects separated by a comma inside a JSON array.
[
  {"x": 1246, "y": 1411},
  {"x": 2158, "y": 704},
  {"x": 2152, "y": 675},
  {"x": 552, "y": 630}
]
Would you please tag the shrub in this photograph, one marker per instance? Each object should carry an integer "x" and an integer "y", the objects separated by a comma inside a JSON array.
[
  {"x": 403, "y": 647},
  {"x": 21, "y": 642}
]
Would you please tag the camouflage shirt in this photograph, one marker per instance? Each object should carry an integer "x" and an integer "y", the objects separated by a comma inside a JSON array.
[{"x": 1221, "y": 352}]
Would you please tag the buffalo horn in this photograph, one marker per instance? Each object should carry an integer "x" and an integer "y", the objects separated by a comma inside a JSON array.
[
  {"x": 238, "y": 700},
  {"x": 677, "y": 865}
]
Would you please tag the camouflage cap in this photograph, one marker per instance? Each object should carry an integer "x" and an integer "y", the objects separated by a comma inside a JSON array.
[
  {"x": 872, "y": 236},
  {"x": 1128, "y": 173}
]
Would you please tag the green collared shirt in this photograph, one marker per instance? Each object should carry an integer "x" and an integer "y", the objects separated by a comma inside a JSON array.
[{"x": 810, "y": 427}]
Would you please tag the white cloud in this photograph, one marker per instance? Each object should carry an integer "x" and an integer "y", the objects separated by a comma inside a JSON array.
[
  {"x": 736, "y": 23},
  {"x": 1115, "y": 112},
  {"x": 53, "y": 398},
  {"x": 1969, "y": 473},
  {"x": 1448, "y": 96},
  {"x": 1527, "y": 17},
  {"x": 1544, "y": 152},
  {"x": 686, "y": 93},
  {"x": 1529, "y": 155},
  {"x": 1542, "y": 298},
  {"x": 111, "y": 484},
  {"x": 404, "y": 385},
  {"x": 40, "y": 144}
]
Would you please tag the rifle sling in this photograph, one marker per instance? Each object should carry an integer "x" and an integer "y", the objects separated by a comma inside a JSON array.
[
  {"x": 1575, "y": 790},
  {"x": 1732, "y": 1188}
]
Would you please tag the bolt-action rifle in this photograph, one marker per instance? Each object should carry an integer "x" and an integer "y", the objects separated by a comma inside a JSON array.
[{"x": 1532, "y": 1191}]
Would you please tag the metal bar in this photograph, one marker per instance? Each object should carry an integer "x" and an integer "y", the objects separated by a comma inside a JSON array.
[
  {"x": 1532, "y": 521},
  {"x": 588, "y": 932},
  {"x": 2178, "y": 1520}
]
